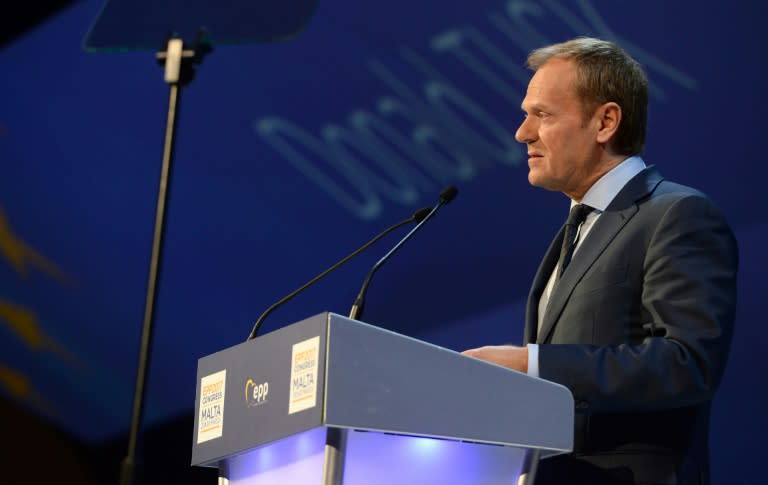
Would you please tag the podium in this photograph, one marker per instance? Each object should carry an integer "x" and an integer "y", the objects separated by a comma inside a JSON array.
[{"x": 330, "y": 400}]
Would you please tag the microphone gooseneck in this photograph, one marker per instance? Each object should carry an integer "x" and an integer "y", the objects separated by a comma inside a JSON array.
[
  {"x": 447, "y": 195},
  {"x": 418, "y": 217}
]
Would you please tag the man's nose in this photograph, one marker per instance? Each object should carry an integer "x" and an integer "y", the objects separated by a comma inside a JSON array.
[{"x": 525, "y": 132}]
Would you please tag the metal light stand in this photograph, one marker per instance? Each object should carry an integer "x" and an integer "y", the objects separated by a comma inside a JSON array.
[{"x": 179, "y": 66}]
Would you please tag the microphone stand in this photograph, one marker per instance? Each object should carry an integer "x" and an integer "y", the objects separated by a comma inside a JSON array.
[
  {"x": 417, "y": 217},
  {"x": 179, "y": 66},
  {"x": 356, "y": 312}
]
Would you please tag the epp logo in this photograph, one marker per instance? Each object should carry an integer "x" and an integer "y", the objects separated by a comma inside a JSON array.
[{"x": 256, "y": 394}]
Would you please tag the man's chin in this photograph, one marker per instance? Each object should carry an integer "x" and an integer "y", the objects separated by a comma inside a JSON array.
[
  {"x": 541, "y": 182},
  {"x": 535, "y": 179}
]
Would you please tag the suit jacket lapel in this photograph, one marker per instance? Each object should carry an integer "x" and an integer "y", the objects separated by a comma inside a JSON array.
[
  {"x": 619, "y": 212},
  {"x": 604, "y": 230},
  {"x": 537, "y": 288}
]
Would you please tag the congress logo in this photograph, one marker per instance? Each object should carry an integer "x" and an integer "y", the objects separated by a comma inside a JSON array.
[
  {"x": 256, "y": 394},
  {"x": 211, "y": 418}
]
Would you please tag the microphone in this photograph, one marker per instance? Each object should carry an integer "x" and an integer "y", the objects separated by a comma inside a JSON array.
[
  {"x": 447, "y": 195},
  {"x": 417, "y": 217}
]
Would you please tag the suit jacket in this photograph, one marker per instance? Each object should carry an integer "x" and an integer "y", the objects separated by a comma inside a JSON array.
[{"x": 639, "y": 329}]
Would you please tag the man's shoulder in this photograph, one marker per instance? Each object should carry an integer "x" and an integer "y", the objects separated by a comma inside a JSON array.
[
  {"x": 660, "y": 186},
  {"x": 673, "y": 190},
  {"x": 650, "y": 189},
  {"x": 673, "y": 201},
  {"x": 654, "y": 197},
  {"x": 668, "y": 193}
]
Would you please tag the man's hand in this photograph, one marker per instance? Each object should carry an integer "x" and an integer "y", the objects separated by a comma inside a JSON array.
[{"x": 515, "y": 358}]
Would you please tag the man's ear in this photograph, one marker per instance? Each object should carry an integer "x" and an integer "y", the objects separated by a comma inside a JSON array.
[{"x": 609, "y": 117}]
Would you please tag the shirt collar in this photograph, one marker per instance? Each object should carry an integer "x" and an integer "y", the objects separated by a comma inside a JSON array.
[{"x": 609, "y": 185}]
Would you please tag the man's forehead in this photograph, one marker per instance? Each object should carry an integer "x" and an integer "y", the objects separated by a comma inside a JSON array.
[
  {"x": 553, "y": 81},
  {"x": 555, "y": 73}
]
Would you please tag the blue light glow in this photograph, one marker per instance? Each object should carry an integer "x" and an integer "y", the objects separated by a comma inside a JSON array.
[
  {"x": 378, "y": 459},
  {"x": 296, "y": 459},
  {"x": 383, "y": 459},
  {"x": 426, "y": 447}
]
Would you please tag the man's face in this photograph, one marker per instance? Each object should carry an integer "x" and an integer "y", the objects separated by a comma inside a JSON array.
[{"x": 563, "y": 151}]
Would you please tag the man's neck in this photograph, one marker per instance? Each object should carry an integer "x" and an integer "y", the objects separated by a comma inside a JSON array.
[
  {"x": 603, "y": 191},
  {"x": 607, "y": 162}
]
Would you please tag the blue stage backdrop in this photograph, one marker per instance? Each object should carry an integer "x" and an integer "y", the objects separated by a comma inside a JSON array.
[{"x": 291, "y": 154}]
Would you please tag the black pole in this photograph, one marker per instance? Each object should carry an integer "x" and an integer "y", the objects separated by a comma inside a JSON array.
[{"x": 179, "y": 70}]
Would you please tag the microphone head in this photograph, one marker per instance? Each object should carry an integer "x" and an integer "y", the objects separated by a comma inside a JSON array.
[
  {"x": 448, "y": 194},
  {"x": 421, "y": 214}
]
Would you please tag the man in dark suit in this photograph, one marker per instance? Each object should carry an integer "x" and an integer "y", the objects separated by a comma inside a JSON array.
[{"x": 635, "y": 316}]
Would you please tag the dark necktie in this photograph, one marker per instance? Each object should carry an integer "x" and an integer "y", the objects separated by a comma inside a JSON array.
[{"x": 576, "y": 217}]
